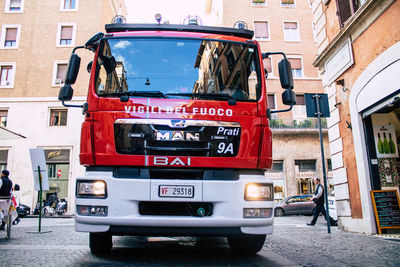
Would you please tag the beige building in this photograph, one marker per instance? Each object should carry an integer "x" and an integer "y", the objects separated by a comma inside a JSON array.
[
  {"x": 284, "y": 26},
  {"x": 36, "y": 40}
]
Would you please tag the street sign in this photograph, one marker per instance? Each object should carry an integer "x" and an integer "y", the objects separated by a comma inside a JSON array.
[
  {"x": 38, "y": 160},
  {"x": 311, "y": 105},
  {"x": 317, "y": 106}
]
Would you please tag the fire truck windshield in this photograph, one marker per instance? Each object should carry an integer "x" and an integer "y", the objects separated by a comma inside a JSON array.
[{"x": 178, "y": 68}]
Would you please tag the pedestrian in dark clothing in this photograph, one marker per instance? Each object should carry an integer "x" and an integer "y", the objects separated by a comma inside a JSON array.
[
  {"x": 319, "y": 200},
  {"x": 5, "y": 189}
]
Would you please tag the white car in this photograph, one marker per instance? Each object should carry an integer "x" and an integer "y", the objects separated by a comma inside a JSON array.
[{"x": 332, "y": 204}]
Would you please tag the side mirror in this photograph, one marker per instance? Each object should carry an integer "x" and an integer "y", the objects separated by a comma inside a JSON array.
[
  {"x": 89, "y": 66},
  {"x": 93, "y": 42},
  {"x": 73, "y": 69},
  {"x": 65, "y": 93},
  {"x": 285, "y": 74},
  {"x": 109, "y": 63},
  {"x": 289, "y": 97}
]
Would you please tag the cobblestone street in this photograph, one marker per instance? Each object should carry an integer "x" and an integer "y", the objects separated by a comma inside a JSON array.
[{"x": 292, "y": 244}]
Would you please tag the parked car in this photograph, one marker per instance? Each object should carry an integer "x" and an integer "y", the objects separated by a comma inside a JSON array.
[
  {"x": 23, "y": 210},
  {"x": 295, "y": 205}
]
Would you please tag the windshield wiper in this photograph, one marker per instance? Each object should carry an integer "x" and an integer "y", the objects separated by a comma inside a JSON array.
[
  {"x": 137, "y": 93},
  {"x": 206, "y": 95}
]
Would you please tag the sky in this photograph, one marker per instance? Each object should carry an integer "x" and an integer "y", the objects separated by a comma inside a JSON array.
[{"x": 174, "y": 11}]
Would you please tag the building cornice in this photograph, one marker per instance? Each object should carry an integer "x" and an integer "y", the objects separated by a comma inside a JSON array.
[{"x": 357, "y": 24}]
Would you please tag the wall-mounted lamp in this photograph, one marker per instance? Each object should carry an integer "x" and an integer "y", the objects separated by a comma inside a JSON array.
[
  {"x": 341, "y": 82},
  {"x": 337, "y": 104}
]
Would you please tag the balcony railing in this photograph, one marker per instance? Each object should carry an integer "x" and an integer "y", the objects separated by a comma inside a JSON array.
[{"x": 289, "y": 123}]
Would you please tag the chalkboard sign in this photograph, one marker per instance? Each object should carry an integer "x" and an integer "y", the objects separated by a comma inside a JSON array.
[{"x": 387, "y": 209}]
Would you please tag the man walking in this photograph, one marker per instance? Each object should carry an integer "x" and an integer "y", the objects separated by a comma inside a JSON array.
[
  {"x": 319, "y": 201},
  {"x": 5, "y": 189}
]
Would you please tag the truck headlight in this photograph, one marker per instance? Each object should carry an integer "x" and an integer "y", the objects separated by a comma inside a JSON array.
[
  {"x": 258, "y": 192},
  {"x": 91, "y": 189}
]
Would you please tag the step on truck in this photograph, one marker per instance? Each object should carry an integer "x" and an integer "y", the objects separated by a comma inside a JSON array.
[{"x": 175, "y": 138}]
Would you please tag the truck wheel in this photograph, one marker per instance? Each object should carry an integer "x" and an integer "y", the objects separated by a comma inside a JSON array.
[
  {"x": 279, "y": 212},
  {"x": 100, "y": 243},
  {"x": 246, "y": 244}
]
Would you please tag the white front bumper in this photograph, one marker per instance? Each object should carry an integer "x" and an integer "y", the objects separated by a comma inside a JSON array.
[{"x": 124, "y": 196}]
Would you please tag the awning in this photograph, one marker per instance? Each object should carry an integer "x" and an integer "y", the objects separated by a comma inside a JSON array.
[{"x": 7, "y": 134}]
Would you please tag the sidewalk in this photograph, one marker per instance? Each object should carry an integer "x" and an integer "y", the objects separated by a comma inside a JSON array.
[{"x": 313, "y": 246}]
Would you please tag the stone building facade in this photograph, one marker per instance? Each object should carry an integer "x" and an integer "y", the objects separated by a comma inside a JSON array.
[
  {"x": 359, "y": 61},
  {"x": 36, "y": 40},
  {"x": 285, "y": 26}
]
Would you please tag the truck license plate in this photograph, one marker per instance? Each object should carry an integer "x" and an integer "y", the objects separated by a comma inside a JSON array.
[{"x": 184, "y": 191}]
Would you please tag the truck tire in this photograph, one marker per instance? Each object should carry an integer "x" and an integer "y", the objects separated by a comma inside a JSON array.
[
  {"x": 246, "y": 244},
  {"x": 100, "y": 243},
  {"x": 279, "y": 212}
]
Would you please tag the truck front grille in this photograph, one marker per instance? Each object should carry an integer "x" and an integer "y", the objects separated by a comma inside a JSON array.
[{"x": 191, "y": 138}]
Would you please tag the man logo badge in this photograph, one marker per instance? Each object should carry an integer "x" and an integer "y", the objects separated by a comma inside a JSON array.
[{"x": 178, "y": 123}]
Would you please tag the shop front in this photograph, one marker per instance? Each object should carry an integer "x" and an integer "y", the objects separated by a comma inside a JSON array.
[
  {"x": 305, "y": 172},
  {"x": 276, "y": 174},
  {"x": 374, "y": 105},
  {"x": 58, "y": 165}
]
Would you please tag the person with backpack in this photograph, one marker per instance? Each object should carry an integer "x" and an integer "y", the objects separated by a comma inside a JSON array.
[
  {"x": 5, "y": 189},
  {"x": 319, "y": 200}
]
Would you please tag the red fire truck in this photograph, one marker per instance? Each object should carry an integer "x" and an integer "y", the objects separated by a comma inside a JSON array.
[{"x": 175, "y": 138}]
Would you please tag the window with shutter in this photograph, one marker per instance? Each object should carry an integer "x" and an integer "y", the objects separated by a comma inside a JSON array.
[
  {"x": 261, "y": 31},
  {"x": 297, "y": 69},
  {"x": 346, "y": 9},
  {"x": 271, "y": 101},
  {"x": 6, "y": 76},
  {"x": 291, "y": 31},
  {"x": 15, "y": 5},
  {"x": 299, "y": 110},
  {"x": 268, "y": 66},
  {"x": 61, "y": 71},
  {"x": 11, "y": 37},
  {"x": 66, "y": 35}
]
